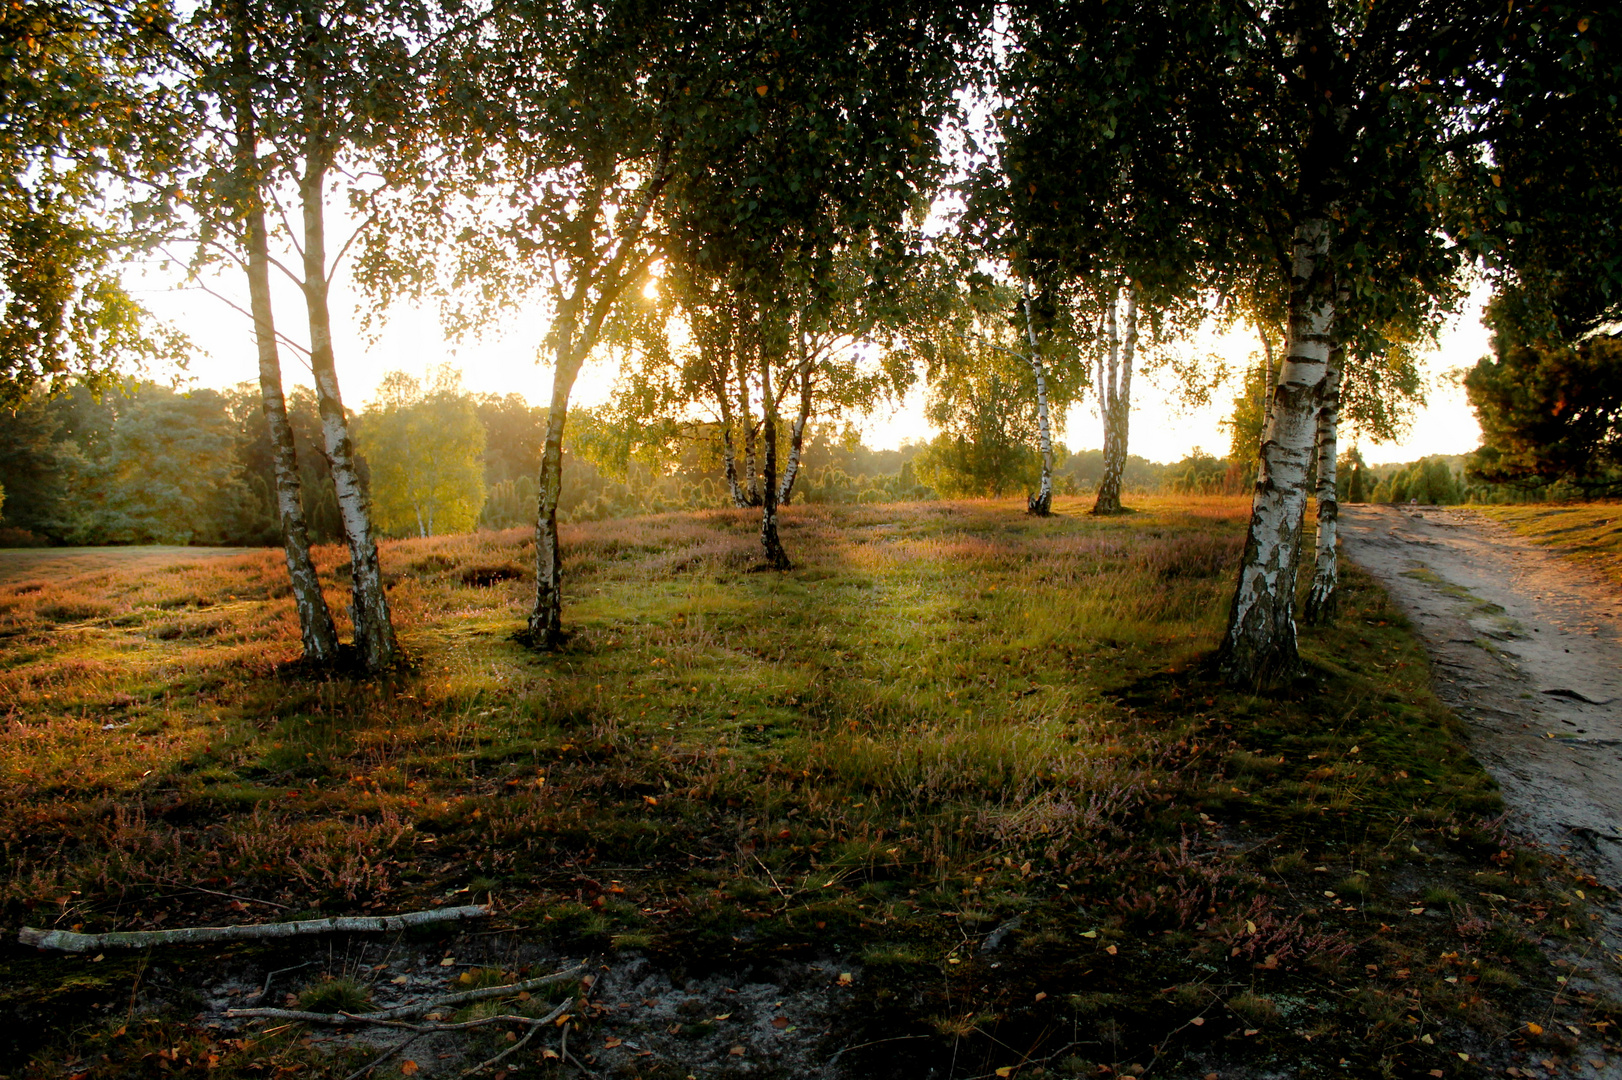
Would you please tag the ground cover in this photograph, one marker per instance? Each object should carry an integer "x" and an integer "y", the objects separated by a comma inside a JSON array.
[
  {"x": 960, "y": 787},
  {"x": 1589, "y": 532}
]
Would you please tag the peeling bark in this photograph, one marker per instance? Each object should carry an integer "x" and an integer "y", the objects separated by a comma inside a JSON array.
[
  {"x": 317, "y": 631},
  {"x": 546, "y": 619},
  {"x": 374, "y": 632},
  {"x": 1322, "y": 599},
  {"x": 751, "y": 491},
  {"x": 797, "y": 434},
  {"x": 1041, "y": 503},
  {"x": 770, "y": 544},
  {"x": 1115, "y": 394},
  {"x": 1260, "y": 639}
]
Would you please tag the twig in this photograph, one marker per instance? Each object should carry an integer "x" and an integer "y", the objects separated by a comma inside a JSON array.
[
  {"x": 264, "y": 991},
  {"x": 565, "y": 1056},
  {"x": 227, "y": 895},
  {"x": 340, "y": 1019},
  {"x": 66, "y": 941},
  {"x": 520, "y": 1044},
  {"x": 875, "y": 1042},
  {"x": 391, "y": 1052},
  {"x": 464, "y": 998}
]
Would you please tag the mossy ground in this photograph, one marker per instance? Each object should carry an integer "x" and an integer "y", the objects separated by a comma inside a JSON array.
[{"x": 947, "y": 716}]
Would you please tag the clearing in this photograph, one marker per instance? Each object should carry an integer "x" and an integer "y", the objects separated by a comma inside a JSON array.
[{"x": 956, "y": 797}]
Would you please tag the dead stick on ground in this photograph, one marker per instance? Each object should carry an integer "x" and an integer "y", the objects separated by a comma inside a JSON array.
[
  {"x": 464, "y": 998},
  {"x": 521, "y": 1043},
  {"x": 66, "y": 941}
]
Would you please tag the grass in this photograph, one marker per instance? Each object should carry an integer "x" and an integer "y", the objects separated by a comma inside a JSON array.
[
  {"x": 946, "y": 717},
  {"x": 1589, "y": 532}
]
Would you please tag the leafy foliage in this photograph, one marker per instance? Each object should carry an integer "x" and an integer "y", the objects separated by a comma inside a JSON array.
[{"x": 426, "y": 451}]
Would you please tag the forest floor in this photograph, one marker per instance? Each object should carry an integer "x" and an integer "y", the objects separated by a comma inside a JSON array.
[
  {"x": 957, "y": 797},
  {"x": 61, "y": 563}
]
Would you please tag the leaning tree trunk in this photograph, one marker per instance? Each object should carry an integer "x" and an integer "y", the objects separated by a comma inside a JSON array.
[
  {"x": 776, "y": 557},
  {"x": 374, "y": 632},
  {"x": 796, "y": 442},
  {"x": 546, "y": 619},
  {"x": 1322, "y": 598},
  {"x": 1115, "y": 397},
  {"x": 316, "y": 629},
  {"x": 1041, "y": 503},
  {"x": 1260, "y": 639}
]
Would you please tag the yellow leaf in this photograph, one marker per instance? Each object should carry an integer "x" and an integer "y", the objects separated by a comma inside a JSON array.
[
  {"x": 844, "y": 978},
  {"x": 1250, "y": 927},
  {"x": 449, "y": 961},
  {"x": 1006, "y": 1070},
  {"x": 761, "y": 89},
  {"x": 1111, "y": 950},
  {"x": 650, "y": 800},
  {"x": 408, "y": 1067},
  {"x": 1535, "y": 1029},
  {"x": 1089, "y": 933}
]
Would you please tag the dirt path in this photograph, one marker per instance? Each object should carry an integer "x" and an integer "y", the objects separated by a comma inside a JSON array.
[
  {"x": 1528, "y": 649},
  {"x": 22, "y": 564}
]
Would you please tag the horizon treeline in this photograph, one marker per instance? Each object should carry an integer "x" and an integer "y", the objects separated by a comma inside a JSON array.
[{"x": 142, "y": 463}]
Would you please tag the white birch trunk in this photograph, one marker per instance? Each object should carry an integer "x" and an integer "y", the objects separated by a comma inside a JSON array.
[
  {"x": 797, "y": 433},
  {"x": 546, "y": 619},
  {"x": 1115, "y": 397},
  {"x": 1041, "y": 503},
  {"x": 1260, "y": 639},
  {"x": 317, "y": 632},
  {"x": 1321, "y": 603},
  {"x": 770, "y": 543},
  {"x": 374, "y": 632}
]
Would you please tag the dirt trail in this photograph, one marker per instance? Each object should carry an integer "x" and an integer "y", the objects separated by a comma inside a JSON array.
[{"x": 1528, "y": 649}]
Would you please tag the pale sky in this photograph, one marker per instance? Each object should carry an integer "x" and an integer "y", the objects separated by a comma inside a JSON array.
[{"x": 506, "y": 362}]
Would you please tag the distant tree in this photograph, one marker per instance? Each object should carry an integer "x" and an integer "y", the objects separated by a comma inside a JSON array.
[
  {"x": 76, "y": 92},
  {"x": 426, "y": 451},
  {"x": 1429, "y": 481}
]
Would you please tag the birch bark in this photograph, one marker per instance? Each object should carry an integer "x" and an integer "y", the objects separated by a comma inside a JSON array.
[
  {"x": 1321, "y": 602},
  {"x": 1041, "y": 503},
  {"x": 1115, "y": 397},
  {"x": 720, "y": 364},
  {"x": 317, "y": 631},
  {"x": 374, "y": 632},
  {"x": 1260, "y": 639},
  {"x": 772, "y": 546},
  {"x": 797, "y": 431},
  {"x": 546, "y": 618},
  {"x": 751, "y": 491}
]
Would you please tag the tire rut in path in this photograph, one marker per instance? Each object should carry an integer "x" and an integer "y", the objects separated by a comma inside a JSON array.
[{"x": 1527, "y": 648}]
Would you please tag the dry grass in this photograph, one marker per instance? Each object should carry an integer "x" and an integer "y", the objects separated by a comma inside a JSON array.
[
  {"x": 947, "y": 714},
  {"x": 1589, "y": 532}
]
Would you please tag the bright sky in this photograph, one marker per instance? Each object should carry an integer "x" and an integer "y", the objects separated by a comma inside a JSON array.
[{"x": 506, "y": 362}]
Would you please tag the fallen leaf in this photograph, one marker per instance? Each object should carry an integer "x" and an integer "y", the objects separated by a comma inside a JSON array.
[
  {"x": 736, "y": 1051},
  {"x": 780, "y": 1022},
  {"x": 1463, "y": 1056},
  {"x": 549, "y": 1054},
  {"x": 844, "y": 978},
  {"x": 449, "y": 961},
  {"x": 1112, "y": 950},
  {"x": 1427, "y": 1040},
  {"x": 400, "y": 980},
  {"x": 1250, "y": 927},
  {"x": 1198, "y": 1021},
  {"x": 611, "y": 1042},
  {"x": 1006, "y": 1070},
  {"x": 724, "y": 1016},
  {"x": 408, "y": 1067},
  {"x": 1253, "y": 1031},
  {"x": 1041, "y": 995},
  {"x": 650, "y": 800},
  {"x": 1535, "y": 1029},
  {"x": 1089, "y": 933}
]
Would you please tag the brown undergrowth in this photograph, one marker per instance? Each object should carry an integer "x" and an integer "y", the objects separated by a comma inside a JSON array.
[{"x": 978, "y": 758}]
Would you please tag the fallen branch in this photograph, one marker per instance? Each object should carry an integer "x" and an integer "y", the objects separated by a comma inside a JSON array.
[
  {"x": 67, "y": 941},
  {"x": 463, "y": 998}
]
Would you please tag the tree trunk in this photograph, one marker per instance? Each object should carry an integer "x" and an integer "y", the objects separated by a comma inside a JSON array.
[
  {"x": 1260, "y": 639},
  {"x": 719, "y": 366},
  {"x": 316, "y": 629},
  {"x": 796, "y": 436},
  {"x": 374, "y": 632},
  {"x": 1041, "y": 503},
  {"x": 776, "y": 557},
  {"x": 546, "y": 620},
  {"x": 1115, "y": 397},
  {"x": 1322, "y": 598},
  {"x": 751, "y": 491}
]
